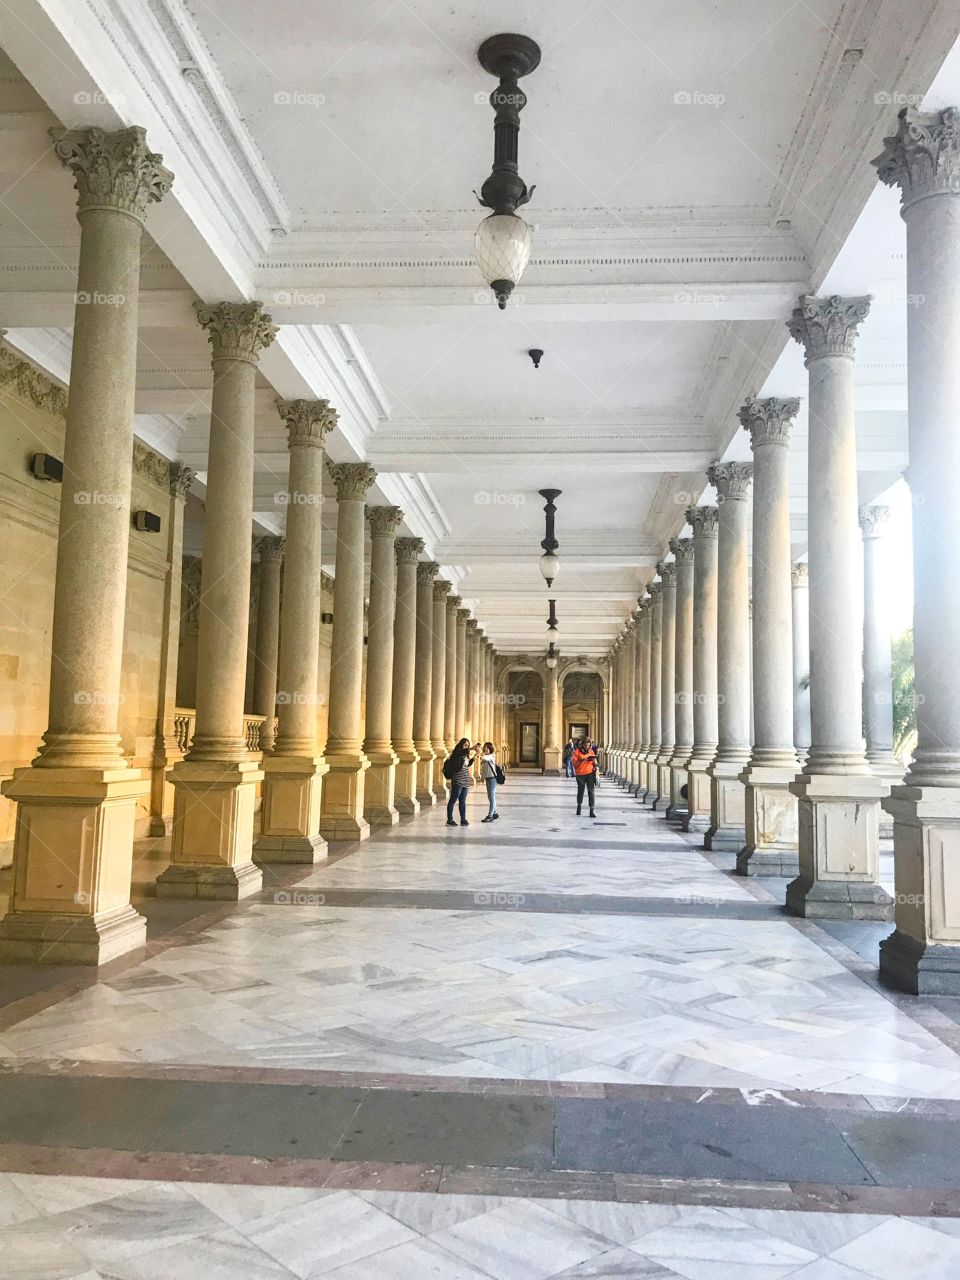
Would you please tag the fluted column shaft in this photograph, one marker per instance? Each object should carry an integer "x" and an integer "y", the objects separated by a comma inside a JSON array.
[
  {"x": 267, "y": 651},
  {"x": 656, "y": 621},
  {"x": 423, "y": 683},
  {"x": 705, "y": 522},
  {"x": 770, "y": 846},
  {"x": 838, "y": 796},
  {"x": 450, "y": 680},
  {"x": 682, "y": 549},
  {"x": 404, "y": 676},
  {"x": 379, "y": 807},
  {"x": 77, "y": 802},
  {"x": 438, "y": 684},
  {"x": 463, "y": 616},
  {"x": 923, "y": 955},
  {"x": 343, "y": 792}
]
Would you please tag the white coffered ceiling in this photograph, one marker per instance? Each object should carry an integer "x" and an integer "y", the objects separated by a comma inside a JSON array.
[{"x": 697, "y": 166}]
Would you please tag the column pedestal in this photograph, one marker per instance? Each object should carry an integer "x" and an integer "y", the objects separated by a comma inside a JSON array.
[
  {"x": 292, "y": 798},
  {"x": 728, "y": 821},
  {"x": 405, "y": 784},
  {"x": 213, "y": 831},
  {"x": 343, "y": 797},
  {"x": 379, "y": 806},
  {"x": 697, "y": 817},
  {"x": 77, "y": 910},
  {"x": 770, "y": 844},
  {"x": 839, "y": 861}
]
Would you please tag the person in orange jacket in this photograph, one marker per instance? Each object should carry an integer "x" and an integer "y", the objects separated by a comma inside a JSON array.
[{"x": 584, "y": 769}]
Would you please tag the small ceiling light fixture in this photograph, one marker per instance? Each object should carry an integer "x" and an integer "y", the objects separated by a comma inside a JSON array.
[
  {"x": 503, "y": 239},
  {"x": 536, "y": 355},
  {"x": 551, "y": 657},
  {"x": 549, "y": 562},
  {"x": 553, "y": 632}
]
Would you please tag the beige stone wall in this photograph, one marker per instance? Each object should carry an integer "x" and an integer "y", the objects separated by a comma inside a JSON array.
[{"x": 31, "y": 422}]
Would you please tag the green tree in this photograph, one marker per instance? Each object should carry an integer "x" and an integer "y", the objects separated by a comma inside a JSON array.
[{"x": 904, "y": 697}]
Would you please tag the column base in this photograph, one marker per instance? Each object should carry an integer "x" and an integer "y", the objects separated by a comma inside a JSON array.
[
  {"x": 678, "y": 808},
  {"x": 72, "y": 863},
  {"x": 439, "y": 787},
  {"x": 341, "y": 816},
  {"x": 697, "y": 818},
  {"x": 51, "y": 937},
  {"x": 552, "y": 761},
  {"x": 839, "y": 848},
  {"x": 886, "y": 766},
  {"x": 379, "y": 789},
  {"x": 652, "y": 794},
  {"x": 770, "y": 847},
  {"x": 919, "y": 968},
  {"x": 728, "y": 827},
  {"x": 425, "y": 793},
  {"x": 212, "y": 831},
  {"x": 662, "y": 801},
  {"x": 290, "y": 812},
  {"x": 405, "y": 783}
]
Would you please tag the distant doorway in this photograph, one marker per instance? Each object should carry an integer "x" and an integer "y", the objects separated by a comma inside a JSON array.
[
  {"x": 530, "y": 743},
  {"x": 578, "y": 731}
]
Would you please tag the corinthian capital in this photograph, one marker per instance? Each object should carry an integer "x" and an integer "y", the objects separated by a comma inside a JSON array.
[
  {"x": 827, "y": 326},
  {"x": 352, "y": 479},
  {"x": 731, "y": 480},
  {"x": 704, "y": 521},
  {"x": 463, "y": 615},
  {"x": 270, "y": 549},
  {"x": 668, "y": 571},
  {"x": 872, "y": 520},
  {"x": 408, "y": 549},
  {"x": 655, "y": 588},
  {"x": 308, "y": 422},
  {"x": 923, "y": 157},
  {"x": 237, "y": 330},
  {"x": 113, "y": 170},
  {"x": 769, "y": 420},
  {"x": 682, "y": 548},
  {"x": 385, "y": 521},
  {"x": 181, "y": 478},
  {"x": 800, "y": 574},
  {"x": 440, "y": 590},
  {"x": 427, "y": 570}
]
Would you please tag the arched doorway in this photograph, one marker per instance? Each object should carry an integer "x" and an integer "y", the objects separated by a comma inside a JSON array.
[{"x": 521, "y": 701}]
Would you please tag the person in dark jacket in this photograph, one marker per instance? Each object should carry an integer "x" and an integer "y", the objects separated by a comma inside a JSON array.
[{"x": 461, "y": 780}]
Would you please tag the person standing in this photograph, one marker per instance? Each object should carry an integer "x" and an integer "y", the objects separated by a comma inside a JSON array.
[
  {"x": 585, "y": 769},
  {"x": 568, "y": 758},
  {"x": 489, "y": 773},
  {"x": 461, "y": 780}
]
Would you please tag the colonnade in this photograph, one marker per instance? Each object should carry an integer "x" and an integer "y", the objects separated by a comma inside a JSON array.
[
  {"x": 428, "y": 668},
  {"x": 792, "y": 709}
]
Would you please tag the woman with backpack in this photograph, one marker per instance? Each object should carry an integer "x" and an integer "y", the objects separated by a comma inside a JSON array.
[
  {"x": 457, "y": 769},
  {"x": 492, "y": 774}
]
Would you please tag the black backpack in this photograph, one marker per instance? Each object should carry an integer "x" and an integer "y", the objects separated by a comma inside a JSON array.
[{"x": 450, "y": 769}]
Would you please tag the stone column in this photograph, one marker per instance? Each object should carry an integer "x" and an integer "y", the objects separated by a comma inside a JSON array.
[
  {"x": 656, "y": 622},
  {"x": 190, "y": 579},
  {"x": 450, "y": 682},
  {"x": 483, "y": 734},
  {"x": 463, "y": 617},
  {"x": 423, "y": 684},
  {"x": 213, "y": 816},
  {"x": 438, "y": 685},
  {"x": 639, "y": 777},
  {"x": 470, "y": 699},
  {"x": 404, "y": 676},
  {"x": 839, "y": 797},
  {"x": 727, "y": 828},
  {"x": 770, "y": 847},
  {"x": 379, "y": 808},
  {"x": 644, "y": 658},
  {"x": 682, "y": 549},
  {"x": 166, "y": 748},
  {"x": 923, "y": 954},
  {"x": 292, "y": 785},
  {"x": 343, "y": 791},
  {"x": 668, "y": 702},
  {"x": 627, "y": 666},
  {"x": 800, "y": 580},
  {"x": 551, "y": 699},
  {"x": 77, "y": 802},
  {"x": 267, "y": 651},
  {"x": 705, "y": 522},
  {"x": 877, "y": 657}
]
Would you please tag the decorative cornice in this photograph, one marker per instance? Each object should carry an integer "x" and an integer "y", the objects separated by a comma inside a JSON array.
[
  {"x": 308, "y": 422},
  {"x": 270, "y": 549},
  {"x": 26, "y": 381},
  {"x": 800, "y": 574},
  {"x": 682, "y": 548},
  {"x": 440, "y": 590},
  {"x": 731, "y": 480},
  {"x": 236, "y": 330},
  {"x": 384, "y": 521},
  {"x": 408, "y": 549},
  {"x": 872, "y": 520},
  {"x": 427, "y": 570},
  {"x": 181, "y": 478},
  {"x": 923, "y": 157},
  {"x": 827, "y": 326},
  {"x": 352, "y": 480},
  {"x": 769, "y": 420},
  {"x": 148, "y": 463},
  {"x": 113, "y": 170},
  {"x": 704, "y": 521}
]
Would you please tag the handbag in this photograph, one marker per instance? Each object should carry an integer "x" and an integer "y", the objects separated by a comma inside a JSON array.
[{"x": 500, "y": 775}]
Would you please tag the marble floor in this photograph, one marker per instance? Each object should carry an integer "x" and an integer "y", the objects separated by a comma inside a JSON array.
[{"x": 603, "y": 990}]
